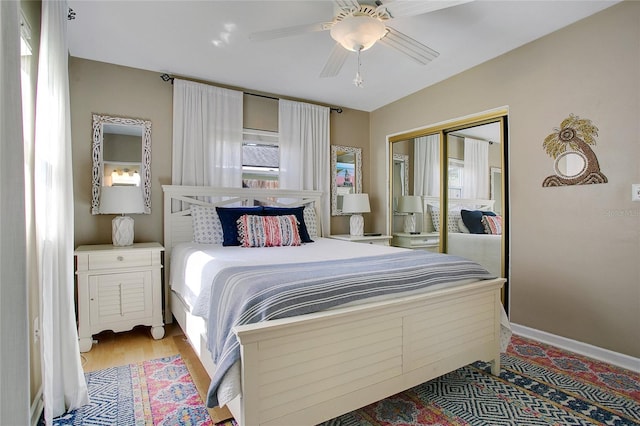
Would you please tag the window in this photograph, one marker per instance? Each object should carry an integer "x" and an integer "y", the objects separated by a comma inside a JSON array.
[
  {"x": 260, "y": 159},
  {"x": 456, "y": 171}
]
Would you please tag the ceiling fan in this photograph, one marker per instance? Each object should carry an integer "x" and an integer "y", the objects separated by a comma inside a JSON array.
[{"x": 359, "y": 25}]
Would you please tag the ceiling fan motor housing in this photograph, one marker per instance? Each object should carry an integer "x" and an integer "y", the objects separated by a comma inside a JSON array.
[{"x": 358, "y": 30}]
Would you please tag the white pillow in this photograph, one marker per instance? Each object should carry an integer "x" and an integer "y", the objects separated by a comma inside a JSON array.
[
  {"x": 207, "y": 228},
  {"x": 310, "y": 220},
  {"x": 463, "y": 228},
  {"x": 452, "y": 219}
]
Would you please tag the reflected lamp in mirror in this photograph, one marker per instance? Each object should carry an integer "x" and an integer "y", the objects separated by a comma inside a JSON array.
[
  {"x": 121, "y": 200},
  {"x": 355, "y": 205},
  {"x": 410, "y": 204}
]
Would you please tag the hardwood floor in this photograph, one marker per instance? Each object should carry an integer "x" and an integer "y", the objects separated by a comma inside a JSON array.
[{"x": 115, "y": 349}]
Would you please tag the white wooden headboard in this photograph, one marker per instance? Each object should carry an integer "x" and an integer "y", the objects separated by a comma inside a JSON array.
[{"x": 178, "y": 201}]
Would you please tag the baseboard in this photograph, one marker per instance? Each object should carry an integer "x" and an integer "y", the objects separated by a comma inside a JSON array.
[
  {"x": 37, "y": 408},
  {"x": 605, "y": 355}
]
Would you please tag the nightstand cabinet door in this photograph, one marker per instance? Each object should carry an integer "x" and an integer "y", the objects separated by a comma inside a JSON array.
[
  {"x": 118, "y": 299},
  {"x": 118, "y": 289}
]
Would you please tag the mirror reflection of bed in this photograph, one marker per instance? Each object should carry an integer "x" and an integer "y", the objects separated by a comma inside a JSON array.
[{"x": 477, "y": 204}]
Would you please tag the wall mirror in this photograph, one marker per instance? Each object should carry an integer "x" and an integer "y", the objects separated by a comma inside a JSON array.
[
  {"x": 121, "y": 158},
  {"x": 346, "y": 175}
]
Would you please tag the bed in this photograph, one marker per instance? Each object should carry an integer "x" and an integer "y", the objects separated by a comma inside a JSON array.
[
  {"x": 308, "y": 368},
  {"x": 472, "y": 242}
]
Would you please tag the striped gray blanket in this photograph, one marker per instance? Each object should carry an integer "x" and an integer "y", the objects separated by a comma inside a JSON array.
[{"x": 244, "y": 295}]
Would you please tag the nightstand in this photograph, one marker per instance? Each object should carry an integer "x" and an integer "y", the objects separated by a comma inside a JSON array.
[
  {"x": 424, "y": 240},
  {"x": 382, "y": 240},
  {"x": 118, "y": 288}
]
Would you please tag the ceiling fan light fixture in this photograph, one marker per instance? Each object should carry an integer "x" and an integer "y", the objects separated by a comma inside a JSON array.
[{"x": 358, "y": 32}]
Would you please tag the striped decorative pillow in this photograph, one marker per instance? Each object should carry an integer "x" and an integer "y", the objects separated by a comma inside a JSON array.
[
  {"x": 268, "y": 231},
  {"x": 492, "y": 224}
]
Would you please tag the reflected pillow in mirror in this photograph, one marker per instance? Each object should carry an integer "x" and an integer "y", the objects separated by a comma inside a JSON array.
[
  {"x": 207, "y": 228},
  {"x": 492, "y": 224},
  {"x": 462, "y": 227},
  {"x": 228, "y": 218},
  {"x": 268, "y": 231},
  {"x": 473, "y": 220},
  {"x": 452, "y": 220}
]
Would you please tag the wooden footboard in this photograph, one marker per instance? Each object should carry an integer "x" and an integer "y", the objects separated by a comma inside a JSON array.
[{"x": 308, "y": 369}]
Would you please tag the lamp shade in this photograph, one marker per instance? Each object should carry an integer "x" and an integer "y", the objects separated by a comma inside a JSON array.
[
  {"x": 355, "y": 203},
  {"x": 121, "y": 200},
  {"x": 410, "y": 204}
]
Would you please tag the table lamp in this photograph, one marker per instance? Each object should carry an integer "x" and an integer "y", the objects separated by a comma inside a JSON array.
[
  {"x": 121, "y": 200},
  {"x": 356, "y": 204},
  {"x": 410, "y": 204}
]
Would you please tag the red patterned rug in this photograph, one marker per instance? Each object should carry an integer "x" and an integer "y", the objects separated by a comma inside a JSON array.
[
  {"x": 538, "y": 385},
  {"x": 155, "y": 392}
]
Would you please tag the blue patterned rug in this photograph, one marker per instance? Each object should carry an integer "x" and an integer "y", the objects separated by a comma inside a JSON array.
[
  {"x": 538, "y": 385},
  {"x": 155, "y": 392}
]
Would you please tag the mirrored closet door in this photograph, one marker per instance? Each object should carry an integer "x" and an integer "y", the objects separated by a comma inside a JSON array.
[{"x": 457, "y": 172}]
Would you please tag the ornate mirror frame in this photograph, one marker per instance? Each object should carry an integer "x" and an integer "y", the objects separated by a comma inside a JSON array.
[
  {"x": 338, "y": 151},
  {"x": 98, "y": 157}
]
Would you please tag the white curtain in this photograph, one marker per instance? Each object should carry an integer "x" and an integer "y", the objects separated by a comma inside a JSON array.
[
  {"x": 475, "y": 179},
  {"x": 14, "y": 348},
  {"x": 304, "y": 150},
  {"x": 64, "y": 386},
  {"x": 207, "y": 135},
  {"x": 427, "y": 166}
]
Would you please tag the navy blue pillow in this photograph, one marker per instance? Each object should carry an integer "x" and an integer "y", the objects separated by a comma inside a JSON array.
[
  {"x": 228, "y": 217},
  {"x": 472, "y": 219},
  {"x": 298, "y": 212}
]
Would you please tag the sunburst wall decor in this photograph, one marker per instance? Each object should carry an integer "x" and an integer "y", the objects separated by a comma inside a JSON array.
[{"x": 575, "y": 162}]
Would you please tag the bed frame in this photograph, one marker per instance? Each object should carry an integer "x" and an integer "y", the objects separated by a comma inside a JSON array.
[{"x": 307, "y": 369}]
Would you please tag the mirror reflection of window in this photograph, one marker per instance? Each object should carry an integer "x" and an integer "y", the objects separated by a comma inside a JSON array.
[
  {"x": 122, "y": 155},
  {"x": 456, "y": 178}
]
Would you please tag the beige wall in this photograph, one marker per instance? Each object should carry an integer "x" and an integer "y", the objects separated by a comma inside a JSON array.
[
  {"x": 575, "y": 251},
  {"x": 98, "y": 87}
]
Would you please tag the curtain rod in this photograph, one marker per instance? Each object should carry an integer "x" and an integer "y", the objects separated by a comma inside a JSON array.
[
  {"x": 167, "y": 77},
  {"x": 462, "y": 135}
]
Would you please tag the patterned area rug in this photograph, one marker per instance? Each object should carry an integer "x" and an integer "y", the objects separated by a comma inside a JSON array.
[
  {"x": 538, "y": 385},
  {"x": 156, "y": 392}
]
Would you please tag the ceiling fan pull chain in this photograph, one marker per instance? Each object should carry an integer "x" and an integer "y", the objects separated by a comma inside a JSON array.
[{"x": 358, "y": 80}]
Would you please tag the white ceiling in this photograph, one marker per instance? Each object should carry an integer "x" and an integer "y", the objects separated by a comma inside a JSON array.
[{"x": 177, "y": 37}]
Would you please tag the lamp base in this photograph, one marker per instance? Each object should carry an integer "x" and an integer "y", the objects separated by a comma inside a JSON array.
[
  {"x": 409, "y": 223},
  {"x": 122, "y": 231},
  {"x": 356, "y": 225}
]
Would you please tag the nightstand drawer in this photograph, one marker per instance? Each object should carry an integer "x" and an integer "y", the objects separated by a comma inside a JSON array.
[{"x": 120, "y": 259}]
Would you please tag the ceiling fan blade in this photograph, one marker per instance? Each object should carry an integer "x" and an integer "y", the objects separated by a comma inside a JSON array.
[
  {"x": 403, "y": 8},
  {"x": 410, "y": 47},
  {"x": 347, "y": 4},
  {"x": 335, "y": 62},
  {"x": 289, "y": 31}
]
